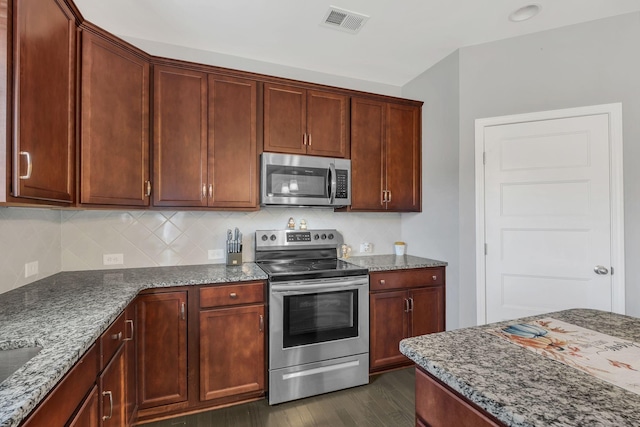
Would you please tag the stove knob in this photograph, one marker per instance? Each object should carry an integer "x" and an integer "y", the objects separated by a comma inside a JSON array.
[
  {"x": 316, "y": 237},
  {"x": 264, "y": 238},
  {"x": 324, "y": 236},
  {"x": 273, "y": 237},
  {"x": 330, "y": 236}
]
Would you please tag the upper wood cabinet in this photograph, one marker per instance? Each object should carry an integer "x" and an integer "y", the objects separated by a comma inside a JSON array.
[
  {"x": 300, "y": 121},
  {"x": 44, "y": 100},
  {"x": 385, "y": 156},
  {"x": 205, "y": 150},
  {"x": 114, "y": 145}
]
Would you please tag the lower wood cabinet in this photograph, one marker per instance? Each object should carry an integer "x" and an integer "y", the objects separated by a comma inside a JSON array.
[
  {"x": 231, "y": 351},
  {"x": 112, "y": 391},
  {"x": 87, "y": 415},
  {"x": 162, "y": 349},
  {"x": 439, "y": 406},
  {"x": 403, "y": 303}
]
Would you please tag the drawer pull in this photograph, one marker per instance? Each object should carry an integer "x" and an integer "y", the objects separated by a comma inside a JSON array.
[
  {"x": 233, "y": 295},
  {"x": 117, "y": 336},
  {"x": 261, "y": 323},
  {"x": 434, "y": 278},
  {"x": 182, "y": 311},
  {"x": 108, "y": 417},
  {"x": 29, "y": 165},
  {"x": 382, "y": 282}
]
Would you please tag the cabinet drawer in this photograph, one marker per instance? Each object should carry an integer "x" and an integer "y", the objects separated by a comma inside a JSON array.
[
  {"x": 110, "y": 341},
  {"x": 382, "y": 281},
  {"x": 215, "y": 296}
]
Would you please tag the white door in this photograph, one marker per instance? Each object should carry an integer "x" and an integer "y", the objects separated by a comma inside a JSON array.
[{"x": 547, "y": 216}]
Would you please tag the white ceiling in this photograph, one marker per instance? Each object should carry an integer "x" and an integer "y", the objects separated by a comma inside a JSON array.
[{"x": 401, "y": 39}]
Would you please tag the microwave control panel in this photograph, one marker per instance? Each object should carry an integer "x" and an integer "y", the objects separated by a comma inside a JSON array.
[{"x": 342, "y": 184}]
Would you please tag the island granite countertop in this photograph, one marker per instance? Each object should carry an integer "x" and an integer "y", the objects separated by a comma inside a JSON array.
[
  {"x": 522, "y": 388},
  {"x": 393, "y": 262},
  {"x": 65, "y": 314}
]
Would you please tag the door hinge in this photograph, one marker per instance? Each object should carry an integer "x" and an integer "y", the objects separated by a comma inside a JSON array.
[{"x": 485, "y": 248}]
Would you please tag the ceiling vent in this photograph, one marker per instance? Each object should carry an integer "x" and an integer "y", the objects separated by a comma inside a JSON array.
[{"x": 344, "y": 20}]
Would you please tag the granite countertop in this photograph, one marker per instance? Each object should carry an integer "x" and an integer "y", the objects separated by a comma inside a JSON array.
[
  {"x": 522, "y": 388},
  {"x": 65, "y": 314},
  {"x": 393, "y": 262}
]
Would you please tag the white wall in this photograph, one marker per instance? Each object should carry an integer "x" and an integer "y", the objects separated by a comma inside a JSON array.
[
  {"x": 433, "y": 233},
  {"x": 585, "y": 64},
  {"x": 28, "y": 235}
]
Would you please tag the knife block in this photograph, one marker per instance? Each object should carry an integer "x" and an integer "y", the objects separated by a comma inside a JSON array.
[{"x": 234, "y": 258}]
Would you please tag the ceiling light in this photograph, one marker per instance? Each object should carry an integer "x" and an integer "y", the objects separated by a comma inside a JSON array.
[{"x": 524, "y": 13}]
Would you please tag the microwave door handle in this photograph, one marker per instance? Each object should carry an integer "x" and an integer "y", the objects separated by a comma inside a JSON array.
[{"x": 333, "y": 182}]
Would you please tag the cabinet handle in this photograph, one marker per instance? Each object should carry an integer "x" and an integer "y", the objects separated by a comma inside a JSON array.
[
  {"x": 182, "y": 311},
  {"x": 210, "y": 190},
  {"x": 233, "y": 295},
  {"x": 406, "y": 305},
  {"x": 29, "y": 165},
  {"x": 434, "y": 278},
  {"x": 382, "y": 282},
  {"x": 148, "y": 186},
  {"x": 309, "y": 140},
  {"x": 304, "y": 139},
  {"x": 130, "y": 323},
  {"x": 117, "y": 336},
  {"x": 411, "y": 304},
  {"x": 108, "y": 393},
  {"x": 383, "y": 198},
  {"x": 204, "y": 191},
  {"x": 261, "y": 323},
  {"x": 389, "y": 198}
]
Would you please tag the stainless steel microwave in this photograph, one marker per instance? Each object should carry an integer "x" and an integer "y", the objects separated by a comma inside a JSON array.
[{"x": 297, "y": 180}]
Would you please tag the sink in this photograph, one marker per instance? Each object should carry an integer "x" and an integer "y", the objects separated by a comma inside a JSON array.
[{"x": 14, "y": 359}]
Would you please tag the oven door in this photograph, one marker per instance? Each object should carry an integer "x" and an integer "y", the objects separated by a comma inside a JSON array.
[{"x": 315, "y": 320}]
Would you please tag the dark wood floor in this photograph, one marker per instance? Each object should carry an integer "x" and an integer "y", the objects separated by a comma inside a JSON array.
[{"x": 388, "y": 400}]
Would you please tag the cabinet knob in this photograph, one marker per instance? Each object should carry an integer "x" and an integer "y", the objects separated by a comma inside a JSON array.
[
  {"x": 117, "y": 336},
  {"x": 434, "y": 278},
  {"x": 233, "y": 295},
  {"x": 382, "y": 283}
]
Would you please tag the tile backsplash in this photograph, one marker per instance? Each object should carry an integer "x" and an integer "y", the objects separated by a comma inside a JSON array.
[
  {"x": 161, "y": 238},
  {"x": 28, "y": 235}
]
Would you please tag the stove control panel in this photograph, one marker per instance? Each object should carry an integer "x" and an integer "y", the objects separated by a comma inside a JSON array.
[{"x": 293, "y": 239}]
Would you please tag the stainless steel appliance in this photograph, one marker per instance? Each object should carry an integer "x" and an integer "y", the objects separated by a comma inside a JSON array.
[
  {"x": 318, "y": 314},
  {"x": 304, "y": 180}
]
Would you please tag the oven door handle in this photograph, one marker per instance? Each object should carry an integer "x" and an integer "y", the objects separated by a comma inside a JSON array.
[{"x": 302, "y": 289}]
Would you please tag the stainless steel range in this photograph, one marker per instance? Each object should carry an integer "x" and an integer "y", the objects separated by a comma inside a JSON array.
[{"x": 318, "y": 314}]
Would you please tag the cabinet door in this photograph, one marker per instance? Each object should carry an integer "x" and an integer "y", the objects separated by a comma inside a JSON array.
[
  {"x": 131, "y": 383},
  {"x": 112, "y": 391},
  {"x": 388, "y": 327},
  {"x": 162, "y": 349},
  {"x": 180, "y": 137},
  {"x": 87, "y": 415},
  {"x": 327, "y": 118},
  {"x": 233, "y": 159},
  {"x": 285, "y": 122},
  {"x": 44, "y": 91},
  {"x": 114, "y": 146},
  {"x": 427, "y": 314},
  {"x": 403, "y": 158},
  {"x": 232, "y": 357},
  {"x": 367, "y": 143}
]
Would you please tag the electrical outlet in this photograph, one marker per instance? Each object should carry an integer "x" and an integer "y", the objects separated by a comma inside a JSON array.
[
  {"x": 216, "y": 254},
  {"x": 366, "y": 247},
  {"x": 31, "y": 269},
  {"x": 112, "y": 259}
]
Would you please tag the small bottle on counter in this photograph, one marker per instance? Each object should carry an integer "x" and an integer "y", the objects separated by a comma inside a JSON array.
[{"x": 291, "y": 225}]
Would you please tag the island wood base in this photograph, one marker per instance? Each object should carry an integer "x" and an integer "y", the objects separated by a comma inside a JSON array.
[{"x": 437, "y": 405}]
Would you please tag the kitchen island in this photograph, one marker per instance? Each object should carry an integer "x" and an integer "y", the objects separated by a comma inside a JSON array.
[
  {"x": 514, "y": 386},
  {"x": 66, "y": 313}
]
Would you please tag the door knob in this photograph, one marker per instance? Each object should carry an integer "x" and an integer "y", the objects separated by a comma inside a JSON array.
[{"x": 599, "y": 269}]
